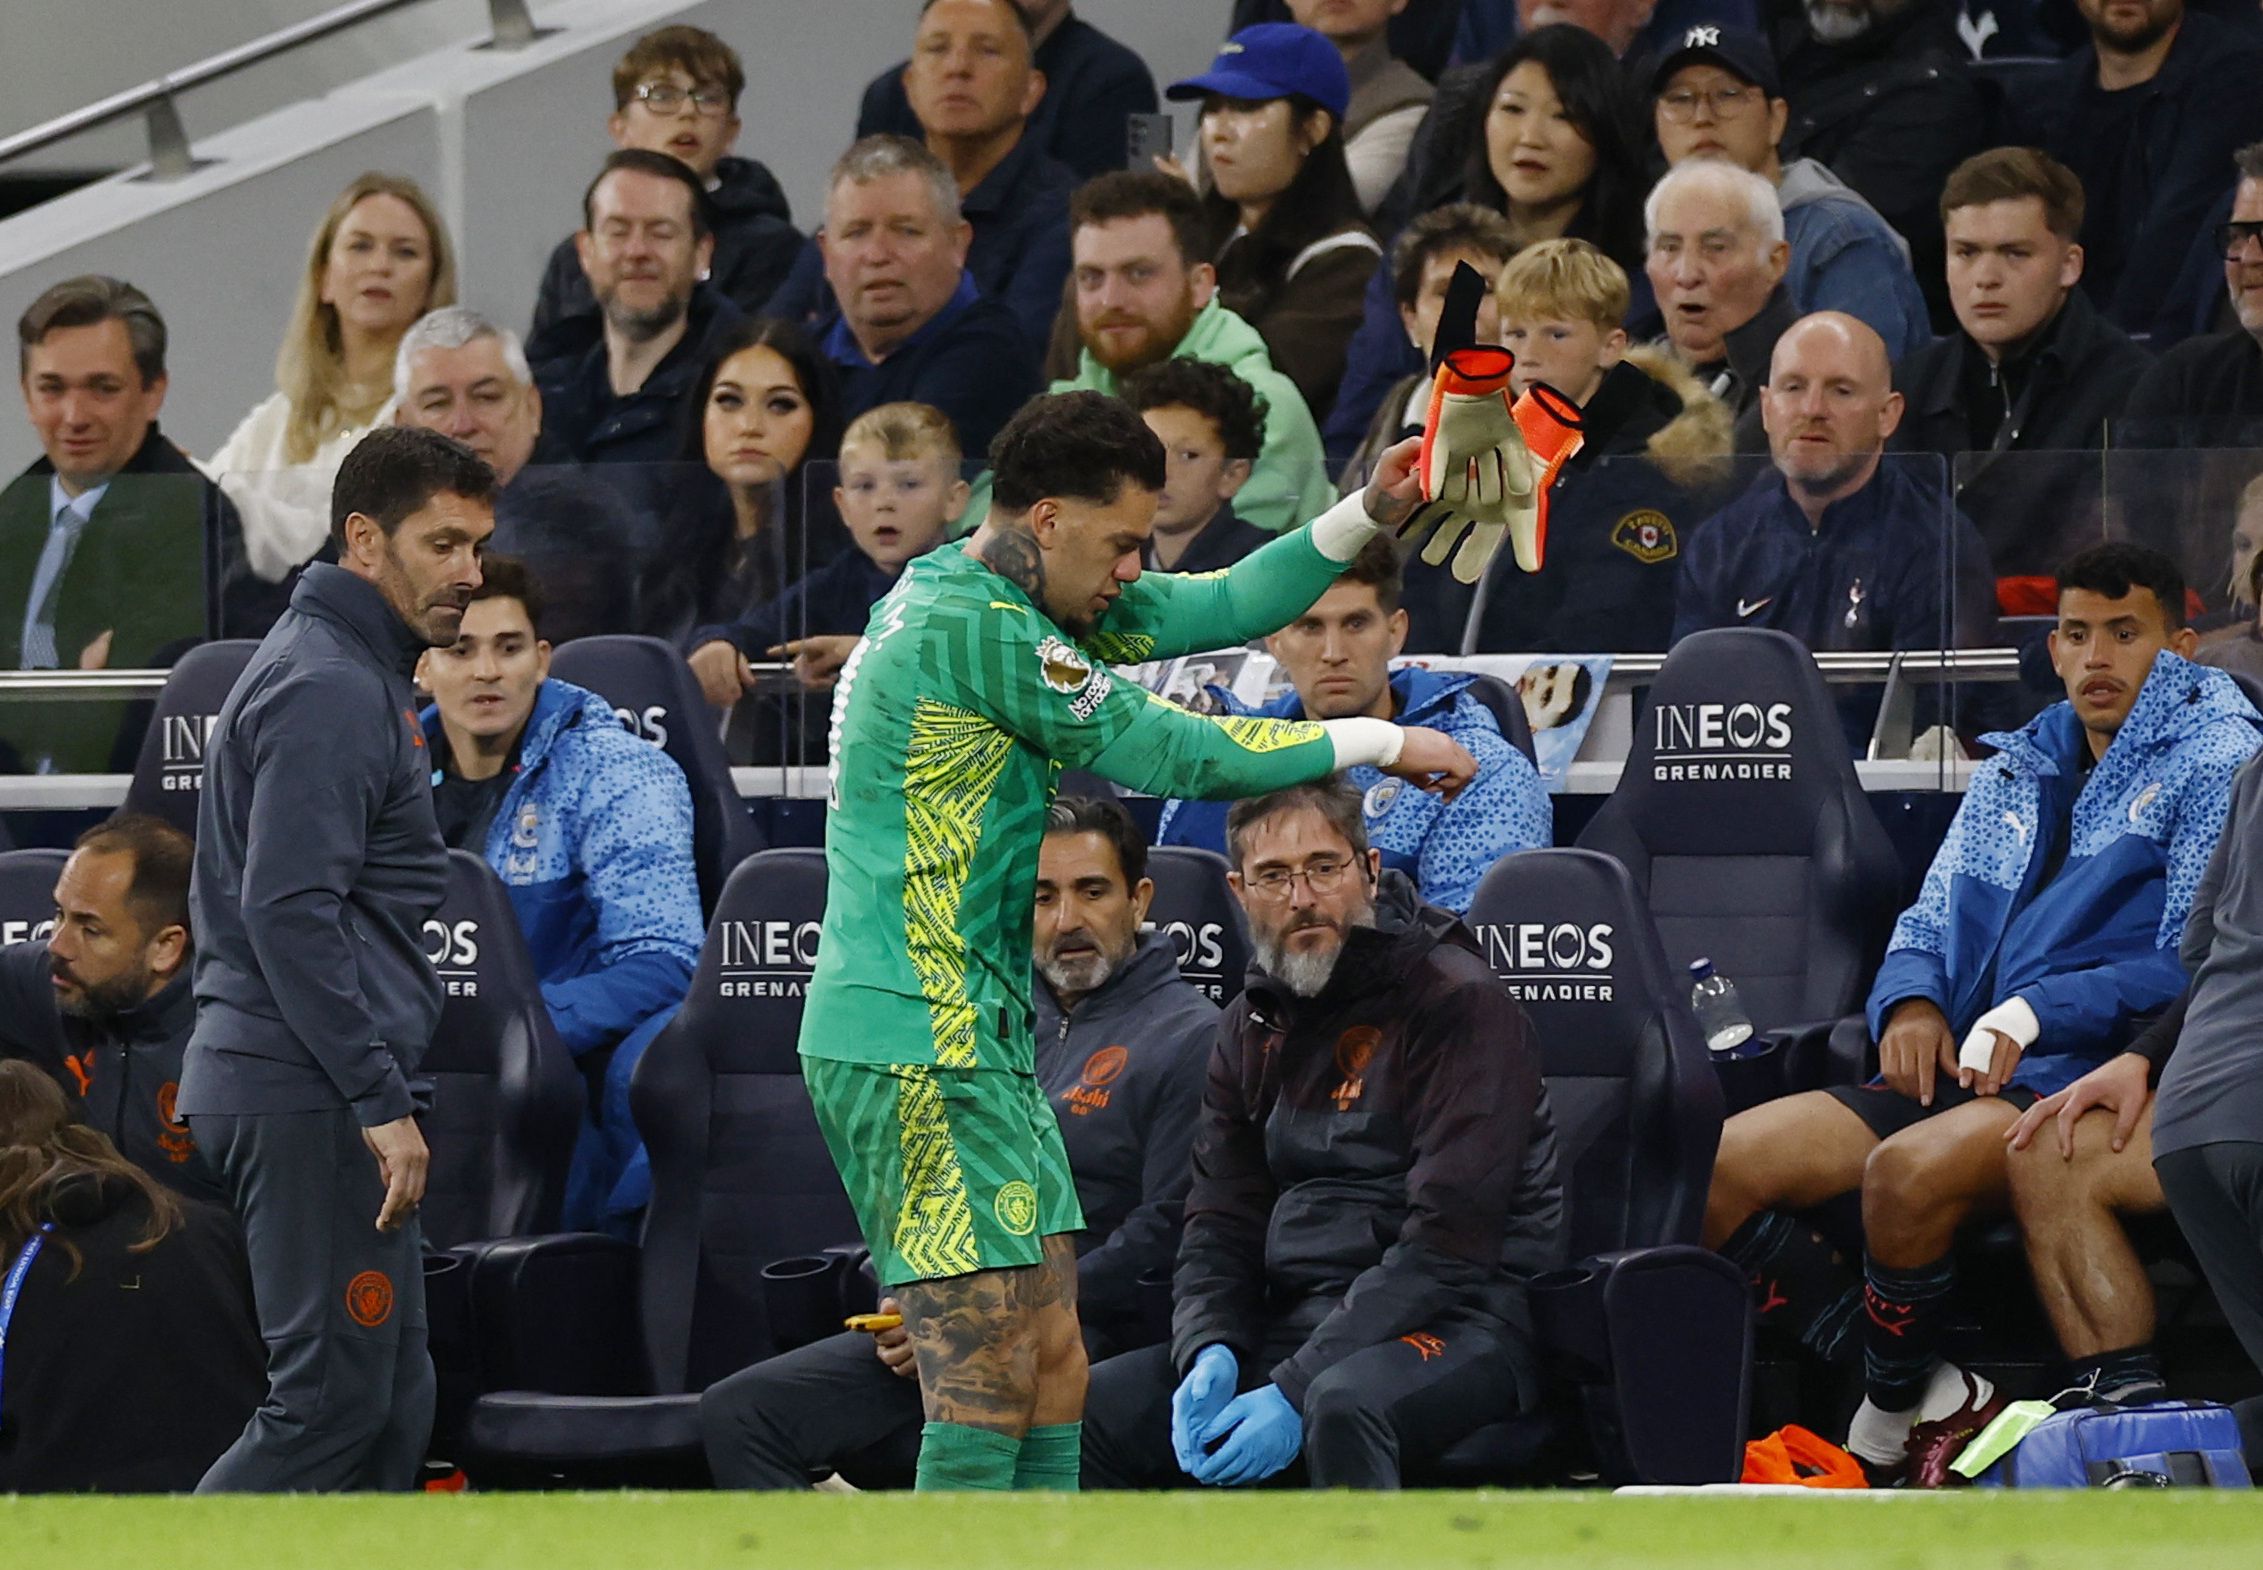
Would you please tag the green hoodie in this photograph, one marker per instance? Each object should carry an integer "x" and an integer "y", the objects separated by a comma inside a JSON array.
[{"x": 1289, "y": 482}]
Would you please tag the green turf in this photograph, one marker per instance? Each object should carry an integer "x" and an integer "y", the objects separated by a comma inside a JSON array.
[{"x": 2029, "y": 1531}]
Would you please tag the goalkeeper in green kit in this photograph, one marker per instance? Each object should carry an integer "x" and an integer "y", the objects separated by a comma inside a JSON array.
[{"x": 982, "y": 675}]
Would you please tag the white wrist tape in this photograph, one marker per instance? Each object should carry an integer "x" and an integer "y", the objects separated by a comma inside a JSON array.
[
  {"x": 2014, "y": 1018},
  {"x": 1343, "y": 529},
  {"x": 1365, "y": 739}
]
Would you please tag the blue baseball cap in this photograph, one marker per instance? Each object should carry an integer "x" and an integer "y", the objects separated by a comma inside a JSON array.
[
  {"x": 1274, "y": 60},
  {"x": 1741, "y": 52}
]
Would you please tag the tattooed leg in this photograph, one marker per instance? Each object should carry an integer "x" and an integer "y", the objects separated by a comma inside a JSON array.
[
  {"x": 1061, "y": 1366},
  {"x": 974, "y": 1338}
]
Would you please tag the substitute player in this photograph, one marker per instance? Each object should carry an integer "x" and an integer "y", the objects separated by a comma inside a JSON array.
[{"x": 982, "y": 675}]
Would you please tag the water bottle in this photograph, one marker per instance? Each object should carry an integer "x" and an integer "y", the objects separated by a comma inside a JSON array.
[{"x": 1719, "y": 1014}]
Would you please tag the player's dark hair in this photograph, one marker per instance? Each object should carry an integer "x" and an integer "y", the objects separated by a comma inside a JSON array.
[
  {"x": 1335, "y": 798},
  {"x": 1084, "y": 445},
  {"x": 508, "y": 578},
  {"x": 2118, "y": 566},
  {"x": 1212, "y": 391},
  {"x": 396, "y": 470},
  {"x": 1377, "y": 566},
  {"x": 1106, "y": 818},
  {"x": 159, "y": 892},
  {"x": 662, "y": 166},
  {"x": 1137, "y": 193}
]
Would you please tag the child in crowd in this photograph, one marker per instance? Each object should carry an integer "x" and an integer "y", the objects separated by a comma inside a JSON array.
[{"x": 1211, "y": 424}]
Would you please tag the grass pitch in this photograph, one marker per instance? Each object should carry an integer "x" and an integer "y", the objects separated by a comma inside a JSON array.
[{"x": 1282, "y": 1531}]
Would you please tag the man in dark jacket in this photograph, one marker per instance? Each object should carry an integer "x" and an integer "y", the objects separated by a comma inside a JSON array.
[
  {"x": 1374, "y": 1186},
  {"x": 318, "y": 861},
  {"x": 1092, "y": 86},
  {"x": 2016, "y": 401},
  {"x": 1121, "y": 1038},
  {"x": 2208, "y": 392},
  {"x": 103, "y": 1005},
  {"x": 677, "y": 92},
  {"x": 2147, "y": 117}
]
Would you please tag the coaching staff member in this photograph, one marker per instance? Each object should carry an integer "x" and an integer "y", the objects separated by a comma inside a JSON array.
[{"x": 317, "y": 861}]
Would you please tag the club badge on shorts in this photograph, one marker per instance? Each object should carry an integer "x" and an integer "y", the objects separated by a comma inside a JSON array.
[{"x": 1016, "y": 1208}]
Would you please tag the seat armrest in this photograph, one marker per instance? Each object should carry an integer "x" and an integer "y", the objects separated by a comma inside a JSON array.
[{"x": 558, "y": 1314}]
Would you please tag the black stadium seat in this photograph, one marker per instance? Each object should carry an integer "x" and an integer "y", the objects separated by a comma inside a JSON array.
[
  {"x": 1743, "y": 822},
  {"x": 506, "y": 1098},
  {"x": 1647, "y": 1337},
  {"x": 169, "y": 770},
  {"x": 27, "y": 893},
  {"x": 1501, "y": 701},
  {"x": 740, "y": 1178},
  {"x": 1198, "y": 911},
  {"x": 652, "y": 690}
]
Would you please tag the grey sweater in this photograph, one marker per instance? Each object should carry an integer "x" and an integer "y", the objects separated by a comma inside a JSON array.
[
  {"x": 2212, "y": 1087},
  {"x": 318, "y": 861}
]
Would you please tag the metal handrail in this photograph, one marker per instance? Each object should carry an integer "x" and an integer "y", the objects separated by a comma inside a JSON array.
[{"x": 170, "y": 156}]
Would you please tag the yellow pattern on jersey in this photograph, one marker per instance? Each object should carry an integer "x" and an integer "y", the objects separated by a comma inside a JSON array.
[
  {"x": 1262, "y": 735},
  {"x": 951, "y": 766},
  {"x": 935, "y": 1232}
]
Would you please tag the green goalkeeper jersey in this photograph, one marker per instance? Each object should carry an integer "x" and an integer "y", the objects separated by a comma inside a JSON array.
[{"x": 951, "y": 725}]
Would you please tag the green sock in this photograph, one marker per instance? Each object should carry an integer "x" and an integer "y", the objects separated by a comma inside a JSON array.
[
  {"x": 1051, "y": 1457},
  {"x": 955, "y": 1458}
]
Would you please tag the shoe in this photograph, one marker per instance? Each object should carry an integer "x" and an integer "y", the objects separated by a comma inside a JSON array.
[{"x": 1932, "y": 1446}]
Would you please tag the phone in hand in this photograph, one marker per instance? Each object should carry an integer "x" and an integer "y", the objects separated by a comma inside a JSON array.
[{"x": 1147, "y": 137}]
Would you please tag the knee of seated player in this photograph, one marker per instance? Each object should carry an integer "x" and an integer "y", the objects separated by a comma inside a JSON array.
[
  {"x": 1756, "y": 1163},
  {"x": 1920, "y": 1183},
  {"x": 1334, "y": 1401}
]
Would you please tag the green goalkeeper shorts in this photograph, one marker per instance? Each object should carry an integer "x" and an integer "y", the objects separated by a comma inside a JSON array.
[{"x": 950, "y": 1170}]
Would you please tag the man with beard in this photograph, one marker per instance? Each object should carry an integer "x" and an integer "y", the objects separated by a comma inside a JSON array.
[
  {"x": 104, "y": 1006},
  {"x": 1143, "y": 294},
  {"x": 1374, "y": 1188},
  {"x": 646, "y": 243},
  {"x": 2208, "y": 392},
  {"x": 1121, "y": 1038},
  {"x": 318, "y": 861}
]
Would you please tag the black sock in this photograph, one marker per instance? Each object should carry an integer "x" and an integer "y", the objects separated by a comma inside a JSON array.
[
  {"x": 2130, "y": 1375},
  {"x": 1800, "y": 1284},
  {"x": 1905, "y": 1312}
]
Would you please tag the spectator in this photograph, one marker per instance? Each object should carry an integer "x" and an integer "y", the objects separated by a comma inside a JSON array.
[
  {"x": 1283, "y": 223},
  {"x": 972, "y": 88},
  {"x": 2238, "y": 647},
  {"x": 677, "y": 92},
  {"x": 460, "y": 374},
  {"x": 646, "y": 243},
  {"x": 133, "y": 1356},
  {"x": 900, "y": 493},
  {"x": 909, "y": 323},
  {"x": 2208, "y": 392},
  {"x": 1212, "y": 427},
  {"x": 1144, "y": 296},
  {"x": 1374, "y": 1186},
  {"x": 1420, "y": 32},
  {"x": 1388, "y": 97},
  {"x": 1652, "y": 466},
  {"x": 379, "y": 260},
  {"x": 2146, "y": 117},
  {"x": 1837, "y": 547},
  {"x": 1717, "y": 261},
  {"x": 103, "y": 1004},
  {"x": 2029, "y": 956},
  {"x": 1716, "y": 95},
  {"x": 2033, "y": 370},
  {"x": 590, "y": 829},
  {"x": 1423, "y": 259},
  {"x": 767, "y": 431},
  {"x": 1545, "y": 134},
  {"x": 1882, "y": 93},
  {"x": 1121, "y": 1039},
  {"x": 1337, "y": 657},
  {"x": 1092, "y": 87}
]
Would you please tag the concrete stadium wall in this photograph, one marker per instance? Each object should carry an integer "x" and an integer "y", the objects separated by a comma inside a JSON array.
[{"x": 504, "y": 142}]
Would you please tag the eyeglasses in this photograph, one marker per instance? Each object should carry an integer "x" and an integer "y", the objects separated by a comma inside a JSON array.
[
  {"x": 2232, "y": 238},
  {"x": 667, "y": 98},
  {"x": 1322, "y": 877},
  {"x": 1725, "y": 103}
]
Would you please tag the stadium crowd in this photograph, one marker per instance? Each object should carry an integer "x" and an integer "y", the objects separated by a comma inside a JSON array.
[{"x": 1852, "y": 320}]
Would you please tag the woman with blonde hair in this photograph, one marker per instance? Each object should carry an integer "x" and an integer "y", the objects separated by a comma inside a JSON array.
[{"x": 379, "y": 260}]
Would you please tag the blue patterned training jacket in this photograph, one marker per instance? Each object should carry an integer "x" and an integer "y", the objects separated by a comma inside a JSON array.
[
  {"x": 593, "y": 840},
  {"x": 1444, "y": 848},
  {"x": 2096, "y": 946}
]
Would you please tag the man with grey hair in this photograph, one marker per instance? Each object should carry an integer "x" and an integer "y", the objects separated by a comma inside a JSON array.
[
  {"x": 463, "y": 375},
  {"x": 908, "y": 323},
  {"x": 1374, "y": 1188},
  {"x": 1716, "y": 258}
]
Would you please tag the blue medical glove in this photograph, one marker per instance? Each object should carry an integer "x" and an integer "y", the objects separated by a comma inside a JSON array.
[
  {"x": 1201, "y": 1396},
  {"x": 1265, "y": 1435}
]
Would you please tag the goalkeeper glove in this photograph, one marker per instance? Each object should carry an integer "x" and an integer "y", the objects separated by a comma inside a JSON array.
[{"x": 1486, "y": 464}]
